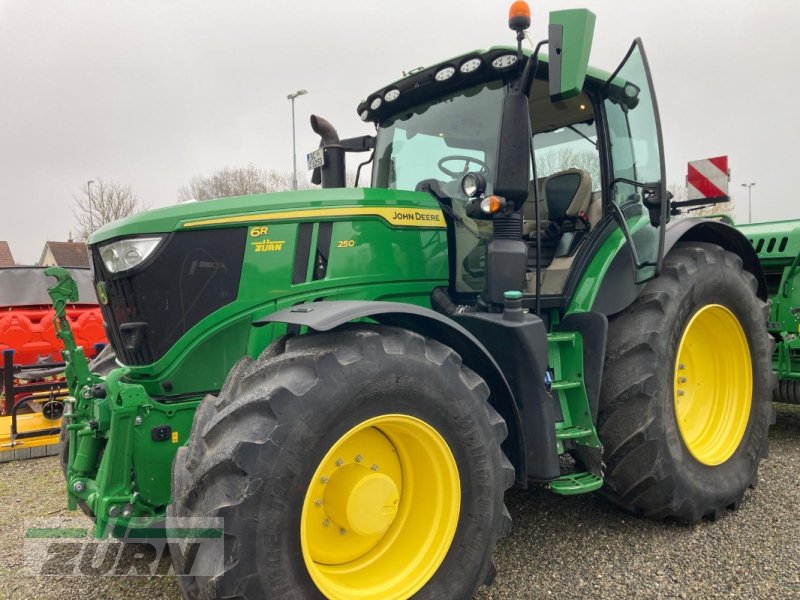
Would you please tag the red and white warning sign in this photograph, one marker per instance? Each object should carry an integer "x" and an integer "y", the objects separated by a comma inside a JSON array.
[{"x": 708, "y": 178}]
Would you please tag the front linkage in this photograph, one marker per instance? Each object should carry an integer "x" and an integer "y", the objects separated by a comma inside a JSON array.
[{"x": 98, "y": 465}]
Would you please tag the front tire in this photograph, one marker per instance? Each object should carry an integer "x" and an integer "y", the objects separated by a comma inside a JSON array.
[
  {"x": 686, "y": 405},
  {"x": 363, "y": 463}
]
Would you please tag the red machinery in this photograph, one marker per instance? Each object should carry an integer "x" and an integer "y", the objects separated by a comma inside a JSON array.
[{"x": 31, "y": 391}]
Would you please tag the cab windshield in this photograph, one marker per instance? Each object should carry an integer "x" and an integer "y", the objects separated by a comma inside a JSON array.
[
  {"x": 443, "y": 140},
  {"x": 436, "y": 140}
]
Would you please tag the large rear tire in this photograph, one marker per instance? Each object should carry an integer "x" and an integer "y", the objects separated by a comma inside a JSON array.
[
  {"x": 363, "y": 463},
  {"x": 686, "y": 405}
]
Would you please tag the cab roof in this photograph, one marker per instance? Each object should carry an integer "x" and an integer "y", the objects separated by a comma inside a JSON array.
[{"x": 421, "y": 85}]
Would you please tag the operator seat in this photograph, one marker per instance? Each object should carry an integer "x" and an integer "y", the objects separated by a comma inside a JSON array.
[
  {"x": 571, "y": 211},
  {"x": 567, "y": 195},
  {"x": 529, "y": 209}
]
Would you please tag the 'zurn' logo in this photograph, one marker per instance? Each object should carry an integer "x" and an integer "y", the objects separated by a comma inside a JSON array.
[{"x": 66, "y": 546}]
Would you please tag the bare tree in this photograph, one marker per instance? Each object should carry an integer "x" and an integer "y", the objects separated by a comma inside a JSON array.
[
  {"x": 102, "y": 202},
  {"x": 678, "y": 191},
  {"x": 237, "y": 181},
  {"x": 243, "y": 181},
  {"x": 559, "y": 159}
]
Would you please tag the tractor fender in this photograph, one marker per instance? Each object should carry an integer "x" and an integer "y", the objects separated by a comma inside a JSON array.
[
  {"x": 716, "y": 232},
  {"x": 618, "y": 291},
  {"x": 328, "y": 315}
]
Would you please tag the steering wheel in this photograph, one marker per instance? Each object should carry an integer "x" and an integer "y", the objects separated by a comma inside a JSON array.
[{"x": 467, "y": 160}]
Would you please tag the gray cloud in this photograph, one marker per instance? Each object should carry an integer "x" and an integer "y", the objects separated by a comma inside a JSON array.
[{"x": 150, "y": 92}]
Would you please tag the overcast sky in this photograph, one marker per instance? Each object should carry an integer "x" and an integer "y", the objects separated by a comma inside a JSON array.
[{"x": 150, "y": 93}]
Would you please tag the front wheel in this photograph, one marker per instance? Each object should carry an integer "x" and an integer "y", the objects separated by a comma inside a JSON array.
[
  {"x": 362, "y": 463},
  {"x": 686, "y": 405}
]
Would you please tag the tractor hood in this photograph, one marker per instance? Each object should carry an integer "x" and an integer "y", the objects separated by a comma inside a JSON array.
[{"x": 243, "y": 209}]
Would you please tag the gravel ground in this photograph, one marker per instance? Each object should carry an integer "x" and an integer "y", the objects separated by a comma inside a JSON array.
[{"x": 579, "y": 547}]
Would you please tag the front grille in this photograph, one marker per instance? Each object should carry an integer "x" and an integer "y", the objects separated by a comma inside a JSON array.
[{"x": 150, "y": 307}]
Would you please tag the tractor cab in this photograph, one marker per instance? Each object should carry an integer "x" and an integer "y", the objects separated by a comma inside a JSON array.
[{"x": 583, "y": 162}]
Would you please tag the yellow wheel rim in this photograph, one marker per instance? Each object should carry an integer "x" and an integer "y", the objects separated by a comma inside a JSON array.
[
  {"x": 713, "y": 384},
  {"x": 381, "y": 510}
]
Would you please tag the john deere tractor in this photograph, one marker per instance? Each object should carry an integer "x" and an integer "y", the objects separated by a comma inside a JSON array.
[{"x": 350, "y": 379}]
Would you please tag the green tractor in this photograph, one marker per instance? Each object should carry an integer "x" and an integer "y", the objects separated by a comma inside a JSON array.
[
  {"x": 778, "y": 247},
  {"x": 350, "y": 379}
]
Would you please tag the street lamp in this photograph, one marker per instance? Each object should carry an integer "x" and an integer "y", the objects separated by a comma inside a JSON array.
[
  {"x": 89, "y": 194},
  {"x": 749, "y": 187},
  {"x": 294, "y": 149}
]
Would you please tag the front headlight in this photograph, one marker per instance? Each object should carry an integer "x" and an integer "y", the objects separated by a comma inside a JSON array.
[{"x": 125, "y": 254}]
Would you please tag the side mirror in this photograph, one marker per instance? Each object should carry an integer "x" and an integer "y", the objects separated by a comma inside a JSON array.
[
  {"x": 511, "y": 176},
  {"x": 570, "y": 41},
  {"x": 652, "y": 198}
]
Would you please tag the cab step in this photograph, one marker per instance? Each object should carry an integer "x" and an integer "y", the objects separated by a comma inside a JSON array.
[
  {"x": 576, "y": 483},
  {"x": 568, "y": 384},
  {"x": 573, "y": 433}
]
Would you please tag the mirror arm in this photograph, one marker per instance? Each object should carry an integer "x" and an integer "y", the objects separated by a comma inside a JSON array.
[
  {"x": 358, "y": 170},
  {"x": 623, "y": 224},
  {"x": 362, "y": 143},
  {"x": 531, "y": 66},
  {"x": 637, "y": 184}
]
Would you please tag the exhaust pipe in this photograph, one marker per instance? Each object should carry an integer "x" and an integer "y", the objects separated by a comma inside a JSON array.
[
  {"x": 324, "y": 129},
  {"x": 332, "y": 172}
]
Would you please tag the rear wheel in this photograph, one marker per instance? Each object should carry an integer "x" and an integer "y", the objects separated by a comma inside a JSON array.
[
  {"x": 686, "y": 400},
  {"x": 362, "y": 463}
]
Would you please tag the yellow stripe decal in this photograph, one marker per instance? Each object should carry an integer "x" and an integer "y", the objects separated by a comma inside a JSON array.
[{"x": 400, "y": 217}]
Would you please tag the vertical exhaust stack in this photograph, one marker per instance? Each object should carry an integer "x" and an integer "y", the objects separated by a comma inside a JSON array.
[{"x": 332, "y": 173}]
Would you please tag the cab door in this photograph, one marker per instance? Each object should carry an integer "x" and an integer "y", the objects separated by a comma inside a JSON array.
[{"x": 638, "y": 186}]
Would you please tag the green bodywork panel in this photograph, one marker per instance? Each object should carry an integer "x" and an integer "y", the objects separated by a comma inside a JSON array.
[
  {"x": 583, "y": 298},
  {"x": 778, "y": 247},
  {"x": 406, "y": 261},
  {"x": 419, "y": 253},
  {"x": 172, "y": 218},
  {"x": 578, "y": 30}
]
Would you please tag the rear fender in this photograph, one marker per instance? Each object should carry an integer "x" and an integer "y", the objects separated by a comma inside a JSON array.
[{"x": 618, "y": 291}]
